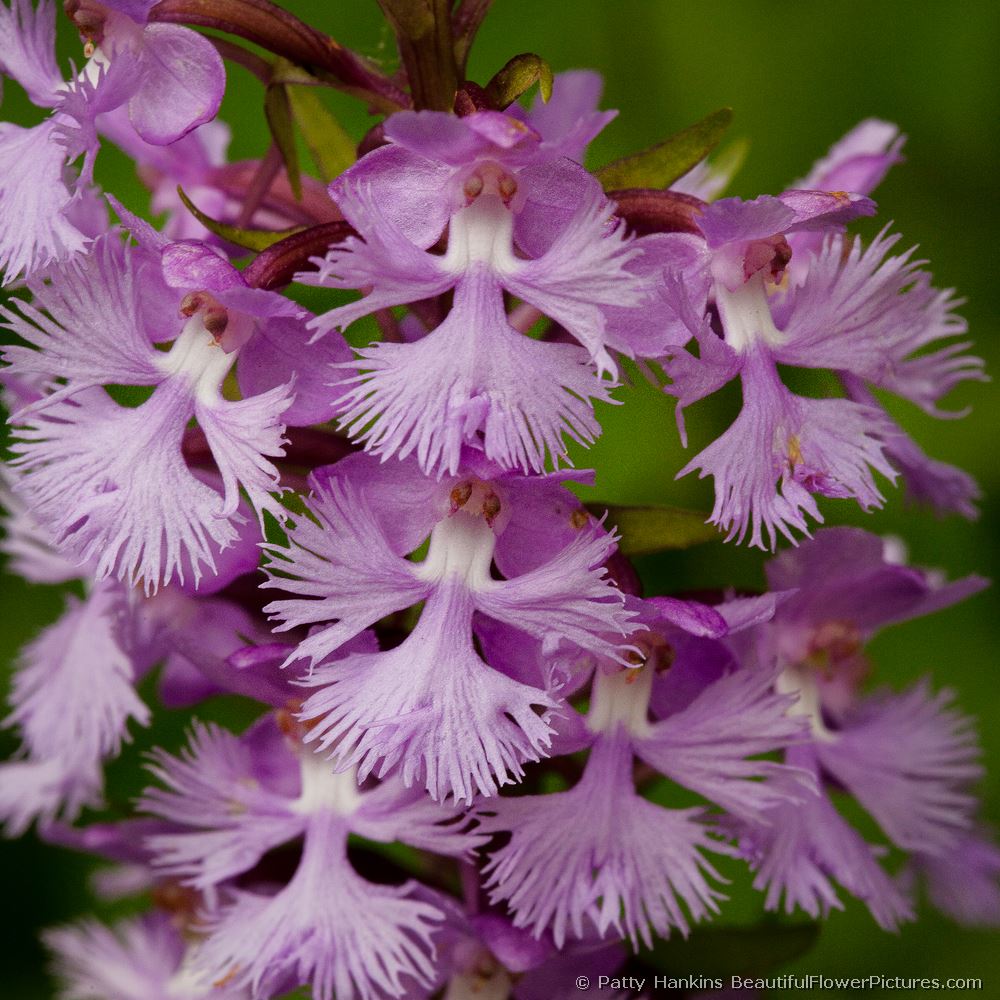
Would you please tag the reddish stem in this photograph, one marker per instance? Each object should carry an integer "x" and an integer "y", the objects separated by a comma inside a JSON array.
[
  {"x": 276, "y": 30},
  {"x": 648, "y": 210},
  {"x": 388, "y": 326},
  {"x": 260, "y": 68},
  {"x": 235, "y": 179},
  {"x": 465, "y": 23},
  {"x": 276, "y": 266},
  {"x": 267, "y": 171},
  {"x": 307, "y": 448}
]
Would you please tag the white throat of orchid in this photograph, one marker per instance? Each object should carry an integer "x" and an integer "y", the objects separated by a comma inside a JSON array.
[
  {"x": 97, "y": 63},
  {"x": 801, "y": 681},
  {"x": 188, "y": 983},
  {"x": 621, "y": 699},
  {"x": 824, "y": 652},
  {"x": 197, "y": 357},
  {"x": 487, "y": 984},
  {"x": 463, "y": 542},
  {"x": 483, "y": 231},
  {"x": 324, "y": 789},
  {"x": 746, "y": 315}
]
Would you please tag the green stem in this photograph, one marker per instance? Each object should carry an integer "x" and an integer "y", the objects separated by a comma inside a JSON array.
[{"x": 427, "y": 48}]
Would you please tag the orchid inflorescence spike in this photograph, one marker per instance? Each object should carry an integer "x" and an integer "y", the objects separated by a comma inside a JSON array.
[{"x": 379, "y": 545}]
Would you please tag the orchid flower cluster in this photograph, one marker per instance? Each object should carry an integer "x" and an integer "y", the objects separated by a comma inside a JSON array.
[{"x": 477, "y": 757}]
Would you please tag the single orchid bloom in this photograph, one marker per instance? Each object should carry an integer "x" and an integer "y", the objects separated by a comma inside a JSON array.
[
  {"x": 49, "y": 213},
  {"x": 385, "y": 711},
  {"x": 519, "y": 218},
  {"x": 80, "y": 453},
  {"x": 233, "y": 799}
]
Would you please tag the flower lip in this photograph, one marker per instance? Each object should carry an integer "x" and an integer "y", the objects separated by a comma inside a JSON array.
[
  {"x": 746, "y": 312},
  {"x": 622, "y": 699},
  {"x": 461, "y": 545},
  {"x": 196, "y": 356},
  {"x": 325, "y": 789}
]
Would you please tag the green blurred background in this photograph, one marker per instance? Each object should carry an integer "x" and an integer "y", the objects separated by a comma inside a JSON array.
[{"x": 798, "y": 76}]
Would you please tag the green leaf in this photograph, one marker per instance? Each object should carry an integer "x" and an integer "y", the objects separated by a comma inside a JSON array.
[
  {"x": 250, "y": 239},
  {"x": 646, "y": 530},
  {"x": 660, "y": 165},
  {"x": 278, "y": 111},
  {"x": 282, "y": 71},
  {"x": 332, "y": 149},
  {"x": 517, "y": 77},
  {"x": 733, "y": 951}
]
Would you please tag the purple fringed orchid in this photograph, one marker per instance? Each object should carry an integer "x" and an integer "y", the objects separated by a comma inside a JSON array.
[
  {"x": 73, "y": 695},
  {"x": 858, "y": 163},
  {"x": 110, "y": 482},
  {"x": 520, "y": 218},
  {"x": 48, "y": 214},
  {"x": 233, "y": 799},
  {"x": 144, "y": 958},
  {"x": 633, "y": 863},
  {"x": 440, "y": 615},
  {"x": 484, "y": 955},
  {"x": 418, "y": 180},
  {"x": 264, "y": 331},
  {"x": 857, "y": 311},
  {"x": 963, "y": 882},
  {"x": 176, "y": 78},
  {"x": 909, "y": 759},
  {"x": 72, "y": 700},
  {"x": 431, "y": 708}
]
